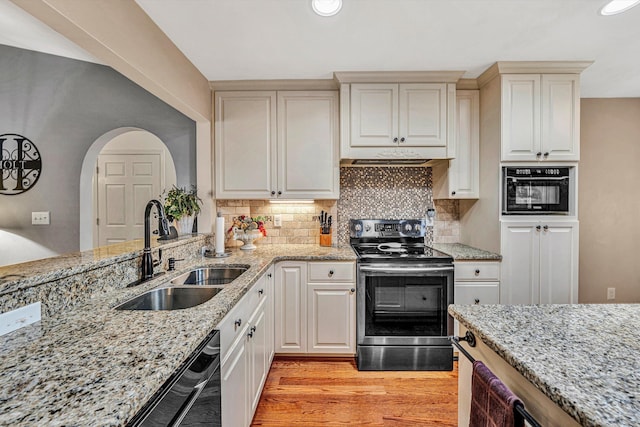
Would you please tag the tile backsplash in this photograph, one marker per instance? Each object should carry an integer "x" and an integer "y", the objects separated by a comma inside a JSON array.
[{"x": 365, "y": 192}]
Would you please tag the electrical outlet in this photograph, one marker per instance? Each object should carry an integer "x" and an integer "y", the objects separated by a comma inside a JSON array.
[
  {"x": 39, "y": 218},
  {"x": 277, "y": 220},
  {"x": 20, "y": 317},
  {"x": 611, "y": 293}
]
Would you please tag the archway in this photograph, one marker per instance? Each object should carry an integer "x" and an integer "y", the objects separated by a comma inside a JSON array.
[{"x": 130, "y": 142}]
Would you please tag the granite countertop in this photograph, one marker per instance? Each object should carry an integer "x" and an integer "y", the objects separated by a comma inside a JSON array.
[
  {"x": 461, "y": 252},
  {"x": 94, "y": 365},
  {"x": 583, "y": 357}
]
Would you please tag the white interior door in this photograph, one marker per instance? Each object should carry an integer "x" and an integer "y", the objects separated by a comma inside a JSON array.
[{"x": 126, "y": 182}]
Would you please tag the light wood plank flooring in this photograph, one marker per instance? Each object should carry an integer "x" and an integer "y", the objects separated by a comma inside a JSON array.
[{"x": 332, "y": 392}]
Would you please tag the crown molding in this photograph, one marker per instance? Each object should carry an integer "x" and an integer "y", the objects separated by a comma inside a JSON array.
[
  {"x": 532, "y": 67},
  {"x": 467, "y": 84},
  {"x": 343, "y": 77},
  {"x": 293, "y": 84}
]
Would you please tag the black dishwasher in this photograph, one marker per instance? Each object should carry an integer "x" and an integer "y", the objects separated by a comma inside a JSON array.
[{"x": 191, "y": 397}]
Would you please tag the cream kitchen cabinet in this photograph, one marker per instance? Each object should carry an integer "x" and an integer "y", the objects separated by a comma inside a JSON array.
[
  {"x": 540, "y": 117},
  {"x": 540, "y": 262},
  {"x": 246, "y": 344},
  {"x": 315, "y": 307},
  {"x": 397, "y": 121},
  {"x": 459, "y": 178},
  {"x": 277, "y": 145},
  {"x": 476, "y": 282}
]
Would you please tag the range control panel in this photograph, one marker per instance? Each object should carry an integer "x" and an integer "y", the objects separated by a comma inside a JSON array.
[{"x": 387, "y": 228}]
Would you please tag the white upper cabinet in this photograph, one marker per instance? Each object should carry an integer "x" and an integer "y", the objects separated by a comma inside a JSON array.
[
  {"x": 459, "y": 178},
  {"x": 245, "y": 144},
  {"x": 397, "y": 121},
  {"x": 277, "y": 145},
  {"x": 540, "y": 117}
]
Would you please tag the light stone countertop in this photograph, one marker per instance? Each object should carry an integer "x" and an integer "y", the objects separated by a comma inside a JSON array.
[
  {"x": 461, "y": 252},
  {"x": 584, "y": 357},
  {"x": 95, "y": 366}
]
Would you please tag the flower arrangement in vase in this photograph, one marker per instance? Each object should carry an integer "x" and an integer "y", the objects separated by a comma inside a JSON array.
[
  {"x": 182, "y": 205},
  {"x": 247, "y": 229}
]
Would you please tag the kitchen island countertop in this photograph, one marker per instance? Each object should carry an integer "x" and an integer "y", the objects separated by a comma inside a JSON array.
[
  {"x": 92, "y": 365},
  {"x": 584, "y": 357}
]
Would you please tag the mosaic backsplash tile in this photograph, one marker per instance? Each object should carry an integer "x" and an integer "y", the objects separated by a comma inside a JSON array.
[{"x": 365, "y": 192}]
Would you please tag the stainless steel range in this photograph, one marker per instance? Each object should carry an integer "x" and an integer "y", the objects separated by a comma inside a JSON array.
[{"x": 403, "y": 290}]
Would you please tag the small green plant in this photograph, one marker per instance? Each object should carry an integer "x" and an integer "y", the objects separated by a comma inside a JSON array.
[{"x": 179, "y": 202}]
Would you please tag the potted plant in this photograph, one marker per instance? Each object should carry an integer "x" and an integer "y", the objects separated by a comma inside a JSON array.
[{"x": 182, "y": 205}]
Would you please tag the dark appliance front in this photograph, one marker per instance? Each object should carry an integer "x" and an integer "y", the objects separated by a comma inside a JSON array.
[
  {"x": 403, "y": 291},
  {"x": 533, "y": 190}
]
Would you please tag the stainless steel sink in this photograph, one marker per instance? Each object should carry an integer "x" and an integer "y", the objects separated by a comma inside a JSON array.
[
  {"x": 210, "y": 276},
  {"x": 173, "y": 298}
]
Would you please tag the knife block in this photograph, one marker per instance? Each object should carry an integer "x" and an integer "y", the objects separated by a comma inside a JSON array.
[{"x": 325, "y": 239}]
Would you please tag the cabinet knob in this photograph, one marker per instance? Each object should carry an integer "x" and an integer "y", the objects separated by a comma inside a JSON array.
[
  {"x": 395, "y": 139},
  {"x": 353, "y": 290},
  {"x": 250, "y": 334},
  {"x": 538, "y": 227},
  {"x": 546, "y": 228},
  {"x": 279, "y": 193},
  {"x": 253, "y": 329},
  {"x": 539, "y": 153},
  {"x": 476, "y": 301},
  {"x": 546, "y": 154},
  {"x": 269, "y": 275},
  {"x": 238, "y": 322},
  {"x": 261, "y": 291},
  {"x": 477, "y": 271},
  {"x": 453, "y": 193},
  {"x": 273, "y": 193},
  {"x": 402, "y": 139},
  {"x": 330, "y": 273}
]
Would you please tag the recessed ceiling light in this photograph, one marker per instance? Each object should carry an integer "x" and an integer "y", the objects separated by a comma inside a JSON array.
[
  {"x": 617, "y": 6},
  {"x": 328, "y": 7}
]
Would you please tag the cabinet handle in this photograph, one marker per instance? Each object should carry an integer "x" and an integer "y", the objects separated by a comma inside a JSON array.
[
  {"x": 261, "y": 291},
  {"x": 539, "y": 153},
  {"x": 476, "y": 301},
  {"x": 546, "y": 154},
  {"x": 353, "y": 290},
  {"x": 546, "y": 228},
  {"x": 477, "y": 271},
  {"x": 330, "y": 273},
  {"x": 273, "y": 193},
  {"x": 269, "y": 275},
  {"x": 395, "y": 139},
  {"x": 253, "y": 329},
  {"x": 402, "y": 139},
  {"x": 453, "y": 193},
  {"x": 538, "y": 227},
  {"x": 238, "y": 322},
  {"x": 250, "y": 334}
]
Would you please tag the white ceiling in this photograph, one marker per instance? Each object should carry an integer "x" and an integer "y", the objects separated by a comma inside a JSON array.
[{"x": 284, "y": 39}]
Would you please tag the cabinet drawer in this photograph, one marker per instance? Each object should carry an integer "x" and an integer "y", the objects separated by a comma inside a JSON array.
[
  {"x": 477, "y": 293},
  {"x": 332, "y": 271},
  {"x": 480, "y": 271}
]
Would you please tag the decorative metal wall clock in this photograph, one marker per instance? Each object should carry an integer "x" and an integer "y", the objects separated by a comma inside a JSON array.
[{"x": 20, "y": 165}]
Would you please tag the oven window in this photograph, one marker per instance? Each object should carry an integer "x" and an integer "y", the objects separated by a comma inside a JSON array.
[
  {"x": 405, "y": 306},
  {"x": 537, "y": 195}
]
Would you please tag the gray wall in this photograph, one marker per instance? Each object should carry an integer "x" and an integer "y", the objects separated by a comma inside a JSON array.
[{"x": 63, "y": 105}]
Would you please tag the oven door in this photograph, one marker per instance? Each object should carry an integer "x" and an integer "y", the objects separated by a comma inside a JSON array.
[{"x": 404, "y": 305}]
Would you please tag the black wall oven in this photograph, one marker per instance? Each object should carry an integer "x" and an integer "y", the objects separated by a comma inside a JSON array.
[{"x": 536, "y": 190}]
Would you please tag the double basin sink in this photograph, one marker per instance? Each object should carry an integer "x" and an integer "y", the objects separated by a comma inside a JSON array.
[{"x": 192, "y": 288}]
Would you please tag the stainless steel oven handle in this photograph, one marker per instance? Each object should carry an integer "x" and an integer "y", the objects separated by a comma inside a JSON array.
[{"x": 404, "y": 269}]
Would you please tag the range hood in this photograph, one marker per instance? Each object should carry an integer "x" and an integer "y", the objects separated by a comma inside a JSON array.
[{"x": 385, "y": 162}]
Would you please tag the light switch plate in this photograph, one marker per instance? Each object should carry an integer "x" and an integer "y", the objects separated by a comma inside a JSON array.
[
  {"x": 40, "y": 218},
  {"x": 20, "y": 317}
]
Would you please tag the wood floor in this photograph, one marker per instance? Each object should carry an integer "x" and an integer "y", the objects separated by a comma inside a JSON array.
[{"x": 332, "y": 392}]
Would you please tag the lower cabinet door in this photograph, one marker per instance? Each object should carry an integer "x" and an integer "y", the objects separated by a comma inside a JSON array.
[
  {"x": 259, "y": 357},
  {"x": 235, "y": 383},
  {"x": 332, "y": 316}
]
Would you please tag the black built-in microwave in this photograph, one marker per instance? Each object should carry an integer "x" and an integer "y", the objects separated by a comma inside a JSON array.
[{"x": 535, "y": 190}]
